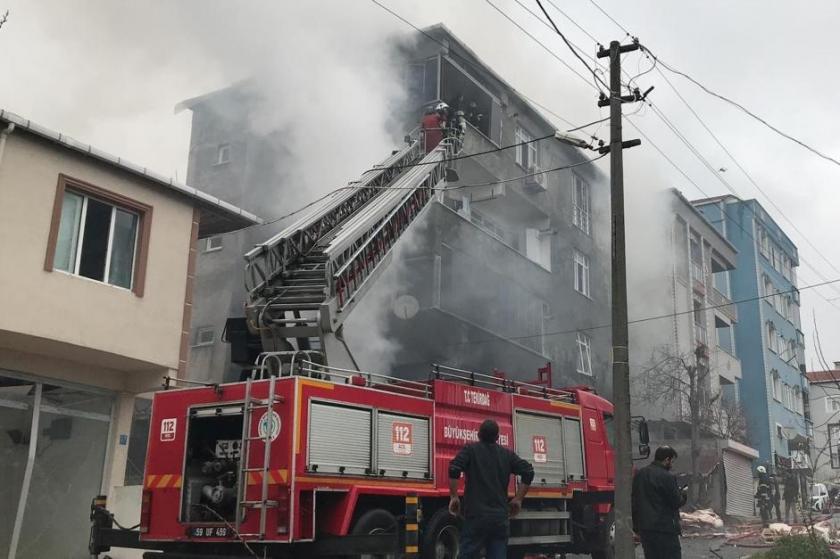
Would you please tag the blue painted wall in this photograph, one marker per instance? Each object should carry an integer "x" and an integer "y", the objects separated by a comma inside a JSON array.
[{"x": 737, "y": 219}]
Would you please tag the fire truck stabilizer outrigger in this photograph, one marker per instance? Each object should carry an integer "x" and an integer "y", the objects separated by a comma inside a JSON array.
[{"x": 308, "y": 457}]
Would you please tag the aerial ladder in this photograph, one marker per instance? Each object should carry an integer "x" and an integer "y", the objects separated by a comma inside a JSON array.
[{"x": 303, "y": 283}]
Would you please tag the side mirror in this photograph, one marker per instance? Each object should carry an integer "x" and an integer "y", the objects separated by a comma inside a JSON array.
[
  {"x": 644, "y": 434},
  {"x": 644, "y": 452},
  {"x": 644, "y": 437}
]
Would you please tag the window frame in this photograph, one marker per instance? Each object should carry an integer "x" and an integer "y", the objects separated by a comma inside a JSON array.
[
  {"x": 208, "y": 247},
  {"x": 776, "y": 385},
  {"x": 584, "y": 343},
  {"x": 582, "y": 212},
  {"x": 197, "y": 341},
  {"x": 143, "y": 211},
  {"x": 520, "y": 136},
  {"x": 586, "y": 264},
  {"x": 220, "y": 149}
]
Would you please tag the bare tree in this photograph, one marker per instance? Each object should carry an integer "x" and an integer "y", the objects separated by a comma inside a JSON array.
[
  {"x": 683, "y": 381},
  {"x": 4, "y": 18}
]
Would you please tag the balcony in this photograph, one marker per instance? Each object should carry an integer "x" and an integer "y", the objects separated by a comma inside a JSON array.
[{"x": 724, "y": 304}]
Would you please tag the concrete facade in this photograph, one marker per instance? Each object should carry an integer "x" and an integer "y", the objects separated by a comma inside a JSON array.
[
  {"x": 768, "y": 337},
  {"x": 75, "y": 351},
  {"x": 508, "y": 246}
]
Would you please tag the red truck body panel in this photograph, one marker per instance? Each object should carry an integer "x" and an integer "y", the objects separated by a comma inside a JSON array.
[{"x": 452, "y": 411}]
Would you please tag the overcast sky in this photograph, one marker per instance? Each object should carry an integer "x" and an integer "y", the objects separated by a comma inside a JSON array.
[{"x": 110, "y": 72}]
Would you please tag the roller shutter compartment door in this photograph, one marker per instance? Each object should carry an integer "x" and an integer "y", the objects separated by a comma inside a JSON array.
[
  {"x": 739, "y": 484},
  {"x": 339, "y": 439},
  {"x": 574, "y": 448},
  {"x": 402, "y": 448},
  {"x": 539, "y": 440}
]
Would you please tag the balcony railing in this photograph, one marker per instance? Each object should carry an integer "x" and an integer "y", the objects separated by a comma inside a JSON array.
[{"x": 724, "y": 304}]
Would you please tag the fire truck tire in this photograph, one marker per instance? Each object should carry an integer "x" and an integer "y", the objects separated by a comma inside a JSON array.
[
  {"x": 375, "y": 521},
  {"x": 441, "y": 536},
  {"x": 606, "y": 539}
]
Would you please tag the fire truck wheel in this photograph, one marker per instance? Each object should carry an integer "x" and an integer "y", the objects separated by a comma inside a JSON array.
[
  {"x": 606, "y": 539},
  {"x": 375, "y": 521},
  {"x": 441, "y": 535}
]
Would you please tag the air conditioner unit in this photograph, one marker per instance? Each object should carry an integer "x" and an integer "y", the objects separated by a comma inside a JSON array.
[{"x": 536, "y": 179}]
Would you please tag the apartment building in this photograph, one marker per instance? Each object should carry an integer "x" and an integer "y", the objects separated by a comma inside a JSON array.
[
  {"x": 507, "y": 272},
  {"x": 689, "y": 358},
  {"x": 825, "y": 414},
  {"x": 768, "y": 336},
  {"x": 97, "y": 261}
]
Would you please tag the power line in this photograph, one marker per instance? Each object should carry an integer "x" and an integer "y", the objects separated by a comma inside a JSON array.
[
  {"x": 571, "y": 48},
  {"x": 548, "y": 50},
  {"x": 746, "y": 174},
  {"x": 705, "y": 162},
  {"x": 610, "y": 18},
  {"x": 564, "y": 14},
  {"x": 649, "y": 318},
  {"x": 445, "y": 189}
]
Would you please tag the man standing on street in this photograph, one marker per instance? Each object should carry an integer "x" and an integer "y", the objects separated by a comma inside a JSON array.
[
  {"x": 656, "y": 507},
  {"x": 487, "y": 467}
]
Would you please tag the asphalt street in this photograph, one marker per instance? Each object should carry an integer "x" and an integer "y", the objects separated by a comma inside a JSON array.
[{"x": 699, "y": 548}]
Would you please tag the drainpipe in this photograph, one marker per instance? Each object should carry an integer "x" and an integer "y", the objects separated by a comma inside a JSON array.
[{"x": 3, "y": 135}]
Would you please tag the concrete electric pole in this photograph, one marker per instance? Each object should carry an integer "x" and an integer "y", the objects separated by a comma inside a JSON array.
[{"x": 624, "y": 547}]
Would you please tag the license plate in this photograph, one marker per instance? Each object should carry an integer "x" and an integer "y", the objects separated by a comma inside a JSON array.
[{"x": 210, "y": 532}]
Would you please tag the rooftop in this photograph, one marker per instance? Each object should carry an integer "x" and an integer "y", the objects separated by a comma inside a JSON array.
[
  {"x": 820, "y": 377},
  {"x": 217, "y": 216}
]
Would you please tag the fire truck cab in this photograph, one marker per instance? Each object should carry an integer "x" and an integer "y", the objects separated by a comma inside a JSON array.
[{"x": 328, "y": 462}]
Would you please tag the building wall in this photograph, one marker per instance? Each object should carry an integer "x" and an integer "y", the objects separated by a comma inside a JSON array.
[
  {"x": 742, "y": 221},
  {"x": 823, "y": 414},
  {"x": 46, "y": 305}
]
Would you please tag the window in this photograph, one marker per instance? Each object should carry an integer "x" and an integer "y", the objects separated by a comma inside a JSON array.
[
  {"x": 780, "y": 433},
  {"x": 581, "y": 273},
  {"x": 769, "y": 290},
  {"x": 204, "y": 336},
  {"x": 223, "y": 154},
  {"x": 777, "y": 387},
  {"x": 763, "y": 240},
  {"x": 584, "y": 345},
  {"x": 797, "y": 400},
  {"x": 582, "y": 204},
  {"x": 98, "y": 235},
  {"x": 787, "y": 396},
  {"x": 834, "y": 444},
  {"x": 609, "y": 428},
  {"x": 526, "y": 154},
  {"x": 832, "y": 404},
  {"x": 213, "y": 244},
  {"x": 772, "y": 339},
  {"x": 791, "y": 356}
]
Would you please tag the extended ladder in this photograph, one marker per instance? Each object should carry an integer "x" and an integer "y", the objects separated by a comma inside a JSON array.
[{"x": 245, "y": 470}]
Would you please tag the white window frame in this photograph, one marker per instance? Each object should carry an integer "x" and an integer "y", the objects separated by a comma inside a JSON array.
[
  {"x": 780, "y": 432},
  {"x": 582, "y": 204},
  {"x": 78, "y": 257},
  {"x": 584, "y": 347},
  {"x": 198, "y": 336},
  {"x": 581, "y": 261},
  {"x": 222, "y": 154},
  {"x": 521, "y": 135},
  {"x": 210, "y": 247},
  {"x": 832, "y": 404}
]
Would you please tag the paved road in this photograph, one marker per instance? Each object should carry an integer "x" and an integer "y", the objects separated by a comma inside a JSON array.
[{"x": 697, "y": 548}]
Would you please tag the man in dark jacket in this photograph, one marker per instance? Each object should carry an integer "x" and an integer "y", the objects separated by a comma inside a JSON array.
[
  {"x": 656, "y": 507},
  {"x": 487, "y": 468}
]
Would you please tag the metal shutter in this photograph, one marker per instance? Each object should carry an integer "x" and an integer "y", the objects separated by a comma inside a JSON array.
[
  {"x": 739, "y": 484},
  {"x": 339, "y": 437},
  {"x": 393, "y": 454},
  {"x": 574, "y": 448},
  {"x": 528, "y": 426}
]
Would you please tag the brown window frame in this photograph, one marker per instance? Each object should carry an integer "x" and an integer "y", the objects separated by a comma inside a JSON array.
[{"x": 144, "y": 211}]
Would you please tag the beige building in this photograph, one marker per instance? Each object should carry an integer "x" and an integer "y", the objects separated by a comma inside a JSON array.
[{"x": 97, "y": 258}]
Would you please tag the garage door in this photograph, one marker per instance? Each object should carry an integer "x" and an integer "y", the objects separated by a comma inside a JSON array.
[{"x": 739, "y": 484}]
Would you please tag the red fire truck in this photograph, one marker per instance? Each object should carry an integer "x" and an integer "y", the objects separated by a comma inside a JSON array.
[
  {"x": 307, "y": 457},
  {"x": 326, "y": 461}
]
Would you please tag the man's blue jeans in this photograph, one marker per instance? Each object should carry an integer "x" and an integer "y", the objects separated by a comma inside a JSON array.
[{"x": 489, "y": 534}]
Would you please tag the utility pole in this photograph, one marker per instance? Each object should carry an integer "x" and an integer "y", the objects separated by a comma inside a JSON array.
[{"x": 624, "y": 546}]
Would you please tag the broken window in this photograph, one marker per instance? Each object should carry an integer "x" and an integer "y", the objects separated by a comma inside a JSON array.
[
  {"x": 584, "y": 346},
  {"x": 96, "y": 240},
  {"x": 581, "y": 273}
]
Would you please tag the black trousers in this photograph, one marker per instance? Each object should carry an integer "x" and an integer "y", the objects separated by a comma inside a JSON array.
[{"x": 661, "y": 545}]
